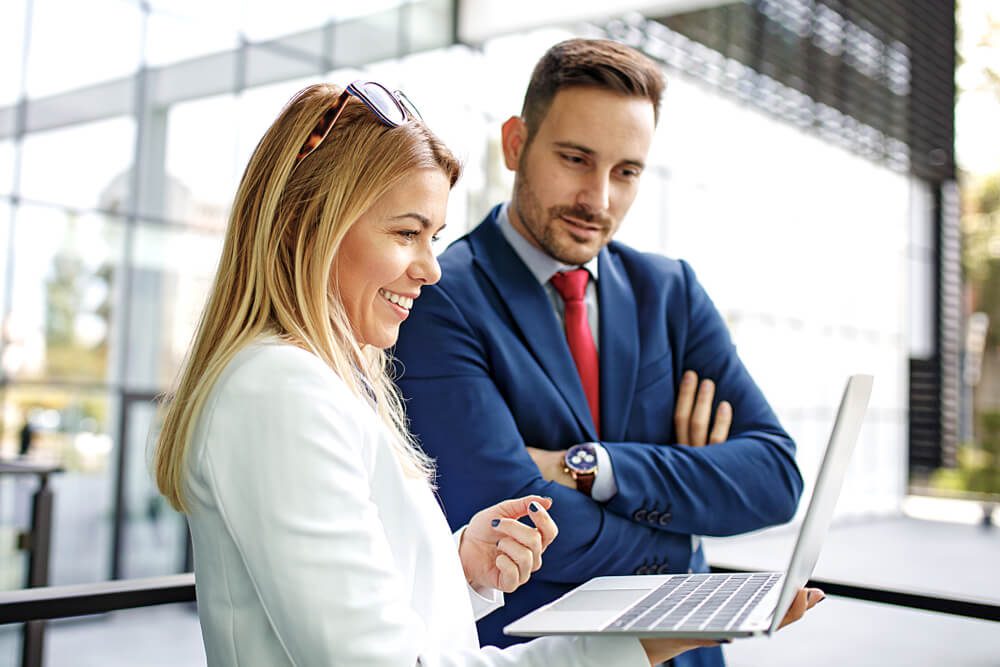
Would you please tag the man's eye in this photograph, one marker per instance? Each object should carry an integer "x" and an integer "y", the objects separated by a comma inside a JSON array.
[{"x": 572, "y": 159}]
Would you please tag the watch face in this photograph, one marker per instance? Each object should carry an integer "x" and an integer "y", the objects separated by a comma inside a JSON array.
[{"x": 581, "y": 458}]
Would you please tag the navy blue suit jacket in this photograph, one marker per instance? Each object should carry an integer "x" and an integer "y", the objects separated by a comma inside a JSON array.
[{"x": 485, "y": 370}]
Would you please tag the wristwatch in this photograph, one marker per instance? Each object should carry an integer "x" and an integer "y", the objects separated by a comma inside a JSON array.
[{"x": 581, "y": 463}]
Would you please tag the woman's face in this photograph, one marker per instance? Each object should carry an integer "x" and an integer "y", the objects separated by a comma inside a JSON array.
[{"x": 386, "y": 257}]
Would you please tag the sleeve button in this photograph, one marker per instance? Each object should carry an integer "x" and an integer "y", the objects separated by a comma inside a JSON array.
[
  {"x": 663, "y": 569},
  {"x": 652, "y": 516},
  {"x": 665, "y": 518},
  {"x": 640, "y": 515}
]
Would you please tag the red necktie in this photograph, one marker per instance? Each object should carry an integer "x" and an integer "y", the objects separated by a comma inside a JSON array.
[{"x": 572, "y": 285}]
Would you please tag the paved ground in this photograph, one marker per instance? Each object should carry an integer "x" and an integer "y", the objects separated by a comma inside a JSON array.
[{"x": 955, "y": 559}]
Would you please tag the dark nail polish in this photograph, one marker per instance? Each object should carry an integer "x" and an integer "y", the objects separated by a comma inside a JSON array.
[
  {"x": 725, "y": 641},
  {"x": 533, "y": 507},
  {"x": 821, "y": 599},
  {"x": 495, "y": 522}
]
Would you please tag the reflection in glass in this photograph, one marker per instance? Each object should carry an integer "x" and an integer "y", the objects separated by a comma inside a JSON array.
[
  {"x": 62, "y": 295},
  {"x": 86, "y": 166},
  {"x": 172, "y": 272},
  {"x": 71, "y": 428}
]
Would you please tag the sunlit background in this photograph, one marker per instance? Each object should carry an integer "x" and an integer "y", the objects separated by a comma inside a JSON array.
[{"x": 798, "y": 165}]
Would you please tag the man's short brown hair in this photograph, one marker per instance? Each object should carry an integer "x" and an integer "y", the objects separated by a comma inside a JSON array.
[{"x": 595, "y": 63}]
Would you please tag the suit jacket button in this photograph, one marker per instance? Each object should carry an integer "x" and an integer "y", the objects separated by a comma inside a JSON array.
[
  {"x": 665, "y": 518},
  {"x": 663, "y": 569},
  {"x": 640, "y": 515},
  {"x": 652, "y": 516}
]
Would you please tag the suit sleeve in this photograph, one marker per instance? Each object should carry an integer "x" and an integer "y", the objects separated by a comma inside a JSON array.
[
  {"x": 462, "y": 420},
  {"x": 287, "y": 470},
  {"x": 749, "y": 482}
]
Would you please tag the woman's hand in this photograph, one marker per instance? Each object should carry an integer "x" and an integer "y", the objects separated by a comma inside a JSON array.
[
  {"x": 661, "y": 650},
  {"x": 498, "y": 551}
]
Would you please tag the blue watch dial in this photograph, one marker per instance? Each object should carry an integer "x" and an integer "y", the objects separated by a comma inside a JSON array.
[{"x": 581, "y": 458}]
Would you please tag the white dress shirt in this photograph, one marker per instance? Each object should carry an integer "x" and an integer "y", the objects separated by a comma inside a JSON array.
[
  {"x": 312, "y": 547},
  {"x": 543, "y": 266}
]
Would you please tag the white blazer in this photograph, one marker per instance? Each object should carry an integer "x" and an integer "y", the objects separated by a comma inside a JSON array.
[{"x": 313, "y": 548}]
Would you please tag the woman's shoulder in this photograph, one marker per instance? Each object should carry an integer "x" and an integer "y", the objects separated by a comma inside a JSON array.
[{"x": 272, "y": 367}]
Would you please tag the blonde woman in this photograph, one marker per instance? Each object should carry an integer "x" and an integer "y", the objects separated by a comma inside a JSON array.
[{"x": 317, "y": 536}]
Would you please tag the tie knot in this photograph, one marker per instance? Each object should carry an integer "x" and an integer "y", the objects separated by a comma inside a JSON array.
[{"x": 571, "y": 284}]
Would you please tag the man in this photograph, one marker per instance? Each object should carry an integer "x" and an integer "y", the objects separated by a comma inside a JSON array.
[{"x": 552, "y": 360}]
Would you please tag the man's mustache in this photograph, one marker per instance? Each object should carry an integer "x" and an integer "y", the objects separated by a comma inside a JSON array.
[{"x": 581, "y": 213}]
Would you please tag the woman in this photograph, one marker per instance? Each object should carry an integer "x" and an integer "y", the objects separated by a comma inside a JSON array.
[{"x": 317, "y": 537}]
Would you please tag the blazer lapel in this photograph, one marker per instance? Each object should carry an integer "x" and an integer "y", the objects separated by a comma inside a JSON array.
[
  {"x": 619, "y": 348},
  {"x": 531, "y": 310}
]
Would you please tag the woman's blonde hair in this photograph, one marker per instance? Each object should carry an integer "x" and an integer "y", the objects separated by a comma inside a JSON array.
[{"x": 275, "y": 275}]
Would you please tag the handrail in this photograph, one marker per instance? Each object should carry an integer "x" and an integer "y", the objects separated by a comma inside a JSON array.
[
  {"x": 48, "y": 602},
  {"x": 79, "y": 600}
]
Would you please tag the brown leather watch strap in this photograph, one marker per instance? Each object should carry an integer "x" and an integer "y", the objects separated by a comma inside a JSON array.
[{"x": 585, "y": 482}]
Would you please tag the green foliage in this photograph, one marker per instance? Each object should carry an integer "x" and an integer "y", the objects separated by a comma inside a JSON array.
[{"x": 978, "y": 468}]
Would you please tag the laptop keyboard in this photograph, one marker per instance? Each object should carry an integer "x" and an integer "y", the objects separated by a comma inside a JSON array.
[{"x": 698, "y": 602}]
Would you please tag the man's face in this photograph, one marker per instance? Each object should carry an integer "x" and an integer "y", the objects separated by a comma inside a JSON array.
[{"x": 578, "y": 177}]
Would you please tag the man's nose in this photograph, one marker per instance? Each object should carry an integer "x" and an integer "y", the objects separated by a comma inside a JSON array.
[{"x": 596, "y": 192}]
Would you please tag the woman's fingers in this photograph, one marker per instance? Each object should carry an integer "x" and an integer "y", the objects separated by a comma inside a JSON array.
[
  {"x": 526, "y": 560},
  {"x": 527, "y": 537}
]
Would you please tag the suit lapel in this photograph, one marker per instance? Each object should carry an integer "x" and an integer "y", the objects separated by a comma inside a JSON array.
[
  {"x": 531, "y": 310},
  {"x": 619, "y": 348}
]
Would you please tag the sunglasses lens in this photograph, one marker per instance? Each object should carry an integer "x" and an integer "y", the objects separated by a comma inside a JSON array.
[
  {"x": 408, "y": 105},
  {"x": 382, "y": 102}
]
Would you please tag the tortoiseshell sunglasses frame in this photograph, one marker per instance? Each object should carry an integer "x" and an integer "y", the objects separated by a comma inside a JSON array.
[{"x": 402, "y": 113}]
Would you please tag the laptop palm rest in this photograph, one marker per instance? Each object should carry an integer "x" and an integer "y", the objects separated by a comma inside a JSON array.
[{"x": 604, "y": 600}]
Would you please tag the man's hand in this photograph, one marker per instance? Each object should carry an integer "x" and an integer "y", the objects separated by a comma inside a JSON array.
[
  {"x": 552, "y": 465},
  {"x": 693, "y": 412}
]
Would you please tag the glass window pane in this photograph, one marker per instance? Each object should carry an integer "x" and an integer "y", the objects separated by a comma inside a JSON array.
[
  {"x": 63, "y": 293},
  {"x": 6, "y": 167},
  {"x": 201, "y": 162},
  {"x": 172, "y": 273},
  {"x": 182, "y": 30},
  {"x": 85, "y": 166},
  {"x": 430, "y": 24},
  {"x": 11, "y": 50},
  {"x": 160, "y": 636},
  {"x": 366, "y": 39},
  {"x": 6, "y": 214},
  {"x": 155, "y": 536},
  {"x": 70, "y": 427},
  {"x": 63, "y": 57}
]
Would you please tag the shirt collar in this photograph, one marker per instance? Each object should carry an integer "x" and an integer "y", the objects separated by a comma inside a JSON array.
[{"x": 541, "y": 265}]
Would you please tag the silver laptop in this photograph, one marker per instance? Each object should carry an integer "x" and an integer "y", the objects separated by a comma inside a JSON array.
[{"x": 711, "y": 606}]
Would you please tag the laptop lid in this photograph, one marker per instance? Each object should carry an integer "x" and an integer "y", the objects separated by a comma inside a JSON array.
[{"x": 831, "y": 475}]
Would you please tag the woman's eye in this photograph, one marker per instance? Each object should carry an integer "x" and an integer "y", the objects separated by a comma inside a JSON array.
[
  {"x": 435, "y": 238},
  {"x": 409, "y": 234}
]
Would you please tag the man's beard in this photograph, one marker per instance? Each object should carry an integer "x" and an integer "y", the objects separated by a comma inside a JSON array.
[{"x": 543, "y": 226}]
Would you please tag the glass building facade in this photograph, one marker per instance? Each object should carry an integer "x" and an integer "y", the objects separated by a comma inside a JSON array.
[{"x": 121, "y": 146}]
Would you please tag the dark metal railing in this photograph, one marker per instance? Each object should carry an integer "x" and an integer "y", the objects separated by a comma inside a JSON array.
[
  {"x": 65, "y": 601},
  {"x": 36, "y": 541}
]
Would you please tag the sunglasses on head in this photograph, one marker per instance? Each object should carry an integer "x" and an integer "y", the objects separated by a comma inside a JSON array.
[{"x": 393, "y": 108}]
